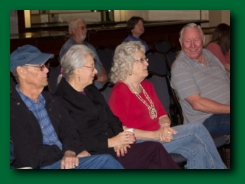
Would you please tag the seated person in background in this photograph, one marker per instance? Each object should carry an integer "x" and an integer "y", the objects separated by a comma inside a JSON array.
[
  {"x": 78, "y": 32},
  {"x": 135, "y": 26},
  {"x": 101, "y": 131},
  {"x": 44, "y": 135},
  {"x": 137, "y": 105},
  {"x": 220, "y": 45},
  {"x": 201, "y": 83}
]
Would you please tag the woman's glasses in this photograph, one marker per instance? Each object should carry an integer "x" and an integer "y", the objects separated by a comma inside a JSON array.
[
  {"x": 41, "y": 66},
  {"x": 142, "y": 60},
  {"x": 92, "y": 67}
]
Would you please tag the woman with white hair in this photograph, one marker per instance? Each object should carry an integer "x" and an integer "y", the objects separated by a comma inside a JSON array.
[
  {"x": 101, "y": 131},
  {"x": 134, "y": 101}
]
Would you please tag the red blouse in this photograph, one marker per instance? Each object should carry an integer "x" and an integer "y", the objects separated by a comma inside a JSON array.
[{"x": 131, "y": 111}]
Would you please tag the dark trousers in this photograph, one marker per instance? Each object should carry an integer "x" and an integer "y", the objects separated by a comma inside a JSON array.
[{"x": 147, "y": 155}]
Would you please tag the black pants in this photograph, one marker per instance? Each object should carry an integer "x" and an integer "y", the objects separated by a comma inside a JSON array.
[{"x": 147, "y": 155}]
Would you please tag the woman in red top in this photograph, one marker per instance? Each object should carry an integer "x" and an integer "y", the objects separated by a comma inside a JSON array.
[{"x": 136, "y": 104}]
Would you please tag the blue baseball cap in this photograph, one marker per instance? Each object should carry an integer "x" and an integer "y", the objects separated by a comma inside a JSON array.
[{"x": 27, "y": 54}]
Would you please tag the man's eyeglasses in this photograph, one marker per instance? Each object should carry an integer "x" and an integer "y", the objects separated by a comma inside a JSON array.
[
  {"x": 92, "y": 67},
  {"x": 142, "y": 60},
  {"x": 82, "y": 27},
  {"x": 41, "y": 67}
]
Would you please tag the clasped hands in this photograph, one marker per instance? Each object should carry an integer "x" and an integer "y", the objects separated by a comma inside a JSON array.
[
  {"x": 166, "y": 133},
  {"x": 121, "y": 142}
]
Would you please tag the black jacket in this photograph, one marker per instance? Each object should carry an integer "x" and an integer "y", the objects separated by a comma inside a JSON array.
[
  {"x": 27, "y": 136},
  {"x": 93, "y": 116}
]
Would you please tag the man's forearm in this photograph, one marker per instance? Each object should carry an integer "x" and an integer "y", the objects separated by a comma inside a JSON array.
[{"x": 209, "y": 106}]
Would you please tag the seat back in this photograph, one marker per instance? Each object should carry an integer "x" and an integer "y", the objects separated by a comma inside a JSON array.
[
  {"x": 157, "y": 62},
  {"x": 161, "y": 90},
  {"x": 53, "y": 74},
  {"x": 170, "y": 57},
  {"x": 106, "y": 90},
  {"x": 106, "y": 57},
  {"x": 158, "y": 76},
  {"x": 162, "y": 46},
  {"x": 149, "y": 46}
]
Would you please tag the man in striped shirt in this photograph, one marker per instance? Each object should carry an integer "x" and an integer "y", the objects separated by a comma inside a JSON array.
[{"x": 201, "y": 83}]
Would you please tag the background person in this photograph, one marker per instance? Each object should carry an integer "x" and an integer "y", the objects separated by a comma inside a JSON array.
[
  {"x": 220, "y": 45},
  {"x": 134, "y": 101},
  {"x": 201, "y": 83},
  {"x": 43, "y": 133},
  {"x": 135, "y": 26},
  {"x": 100, "y": 131},
  {"x": 78, "y": 32}
]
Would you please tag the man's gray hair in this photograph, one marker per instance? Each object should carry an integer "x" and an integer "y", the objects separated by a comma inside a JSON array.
[
  {"x": 190, "y": 26},
  {"x": 15, "y": 75},
  {"x": 74, "y": 58},
  {"x": 124, "y": 57},
  {"x": 73, "y": 23}
]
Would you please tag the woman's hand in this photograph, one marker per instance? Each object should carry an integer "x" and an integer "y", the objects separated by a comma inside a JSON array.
[
  {"x": 69, "y": 160},
  {"x": 122, "y": 138},
  {"x": 164, "y": 121},
  {"x": 125, "y": 128},
  {"x": 121, "y": 150},
  {"x": 83, "y": 154},
  {"x": 166, "y": 134}
]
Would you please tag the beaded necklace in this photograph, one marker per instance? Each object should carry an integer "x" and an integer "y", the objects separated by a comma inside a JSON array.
[{"x": 151, "y": 107}]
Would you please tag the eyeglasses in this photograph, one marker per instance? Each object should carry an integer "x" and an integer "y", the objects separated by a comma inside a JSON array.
[
  {"x": 92, "y": 67},
  {"x": 82, "y": 27},
  {"x": 142, "y": 60},
  {"x": 41, "y": 66}
]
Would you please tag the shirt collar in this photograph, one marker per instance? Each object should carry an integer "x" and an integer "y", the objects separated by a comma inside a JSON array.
[{"x": 28, "y": 101}]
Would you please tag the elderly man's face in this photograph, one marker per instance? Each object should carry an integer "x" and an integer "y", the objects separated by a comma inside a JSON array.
[
  {"x": 81, "y": 31},
  {"x": 34, "y": 76},
  {"x": 192, "y": 43}
]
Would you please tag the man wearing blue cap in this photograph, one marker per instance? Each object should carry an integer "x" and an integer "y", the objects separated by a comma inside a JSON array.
[{"x": 44, "y": 135}]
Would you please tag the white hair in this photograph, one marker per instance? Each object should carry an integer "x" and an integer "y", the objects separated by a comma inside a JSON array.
[
  {"x": 74, "y": 58},
  {"x": 73, "y": 23},
  {"x": 124, "y": 57},
  {"x": 190, "y": 26}
]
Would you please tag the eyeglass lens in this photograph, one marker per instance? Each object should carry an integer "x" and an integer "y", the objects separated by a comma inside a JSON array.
[
  {"x": 142, "y": 59},
  {"x": 46, "y": 65}
]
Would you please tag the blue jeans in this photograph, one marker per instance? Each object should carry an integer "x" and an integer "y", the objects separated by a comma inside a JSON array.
[
  {"x": 103, "y": 161},
  {"x": 218, "y": 124},
  {"x": 194, "y": 142}
]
